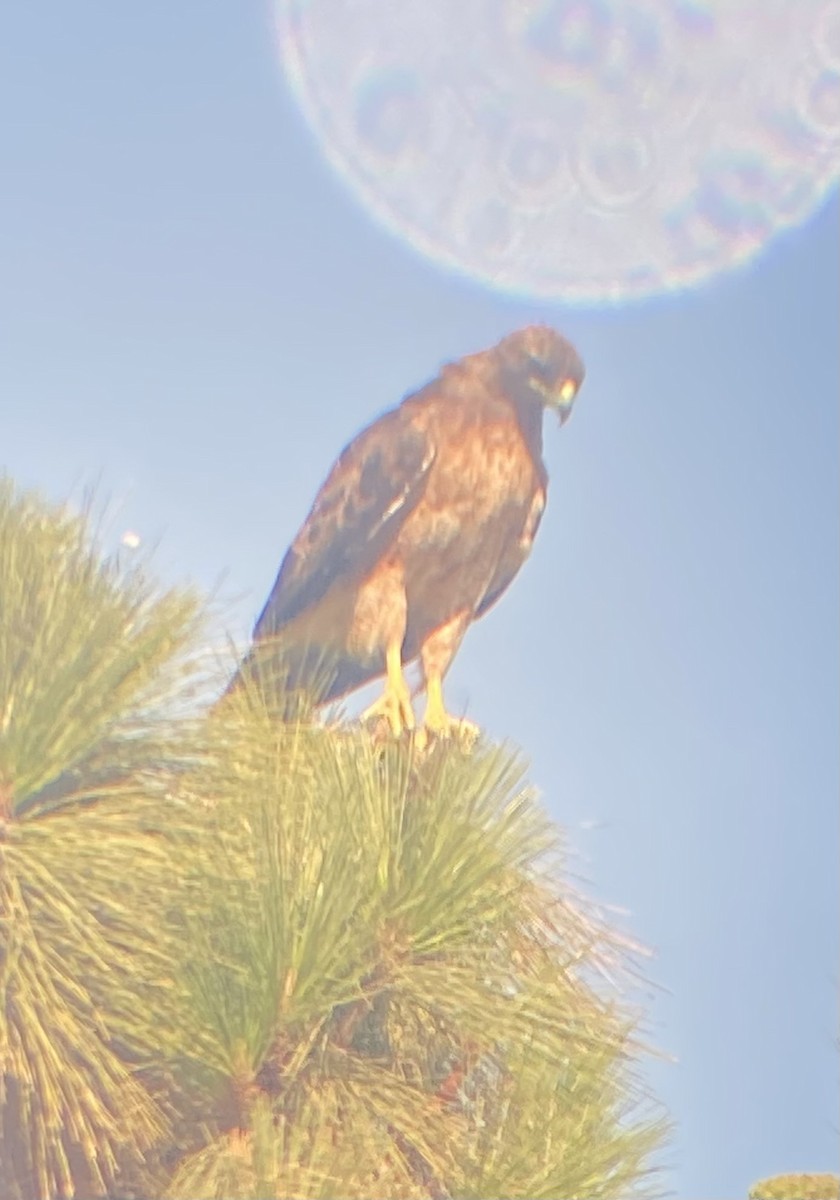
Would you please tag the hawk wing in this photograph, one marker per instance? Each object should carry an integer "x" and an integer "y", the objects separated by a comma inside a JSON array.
[
  {"x": 513, "y": 558},
  {"x": 373, "y": 487}
]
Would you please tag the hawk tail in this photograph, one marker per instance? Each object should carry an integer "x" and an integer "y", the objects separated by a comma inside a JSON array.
[{"x": 298, "y": 678}]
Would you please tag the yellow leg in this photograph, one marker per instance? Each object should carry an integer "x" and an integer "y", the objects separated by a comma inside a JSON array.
[
  {"x": 395, "y": 701},
  {"x": 437, "y": 719}
]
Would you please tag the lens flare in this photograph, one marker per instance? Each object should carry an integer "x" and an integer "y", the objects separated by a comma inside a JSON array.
[{"x": 586, "y": 150}]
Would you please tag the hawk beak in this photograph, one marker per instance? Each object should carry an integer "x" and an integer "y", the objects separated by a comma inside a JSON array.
[
  {"x": 568, "y": 391},
  {"x": 564, "y": 399},
  {"x": 559, "y": 396}
]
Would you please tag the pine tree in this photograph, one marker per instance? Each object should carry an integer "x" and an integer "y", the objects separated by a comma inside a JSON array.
[
  {"x": 90, "y": 659},
  {"x": 797, "y": 1187},
  {"x": 247, "y": 958}
]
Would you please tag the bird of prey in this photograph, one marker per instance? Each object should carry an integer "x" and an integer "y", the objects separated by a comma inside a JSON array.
[{"x": 421, "y": 525}]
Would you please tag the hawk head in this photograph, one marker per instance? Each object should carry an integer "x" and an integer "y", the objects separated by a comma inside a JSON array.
[{"x": 539, "y": 364}]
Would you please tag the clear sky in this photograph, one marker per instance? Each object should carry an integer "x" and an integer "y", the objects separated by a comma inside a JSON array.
[{"x": 195, "y": 313}]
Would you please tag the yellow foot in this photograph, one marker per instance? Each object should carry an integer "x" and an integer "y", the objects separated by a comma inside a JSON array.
[
  {"x": 466, "y": 732},
  {"x": 395, "y": 702},
  {"x": 437, "y": 723},
  {"x": 395, "y": 707},
  {"x": 396, "y": 710}
]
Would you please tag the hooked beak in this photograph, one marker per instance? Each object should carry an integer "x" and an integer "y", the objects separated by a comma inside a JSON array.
[{"x": 561, "y": 398}]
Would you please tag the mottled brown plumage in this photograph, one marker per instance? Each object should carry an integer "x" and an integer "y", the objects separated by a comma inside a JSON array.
[{"x": 421, "y": 525}]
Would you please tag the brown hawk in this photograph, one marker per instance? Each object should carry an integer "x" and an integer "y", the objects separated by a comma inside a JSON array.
[{"x": 420, "y": 527}]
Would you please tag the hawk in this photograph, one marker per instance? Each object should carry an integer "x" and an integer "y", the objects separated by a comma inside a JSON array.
[{"x": 421, "y": 525}]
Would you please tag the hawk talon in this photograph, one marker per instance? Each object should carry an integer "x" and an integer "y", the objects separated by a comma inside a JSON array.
[
  {"x": 466, "y": 732},
  {"x": 395, "y": 702},
  {"x": 438, "y": 723},
  {"x": 395, "y": 708}
]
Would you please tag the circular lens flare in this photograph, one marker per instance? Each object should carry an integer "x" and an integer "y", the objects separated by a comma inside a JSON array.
[{"x": 587, "y": 150}]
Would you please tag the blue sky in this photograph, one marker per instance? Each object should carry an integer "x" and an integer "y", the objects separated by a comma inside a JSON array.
[{"x": 196, "y": 314}]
